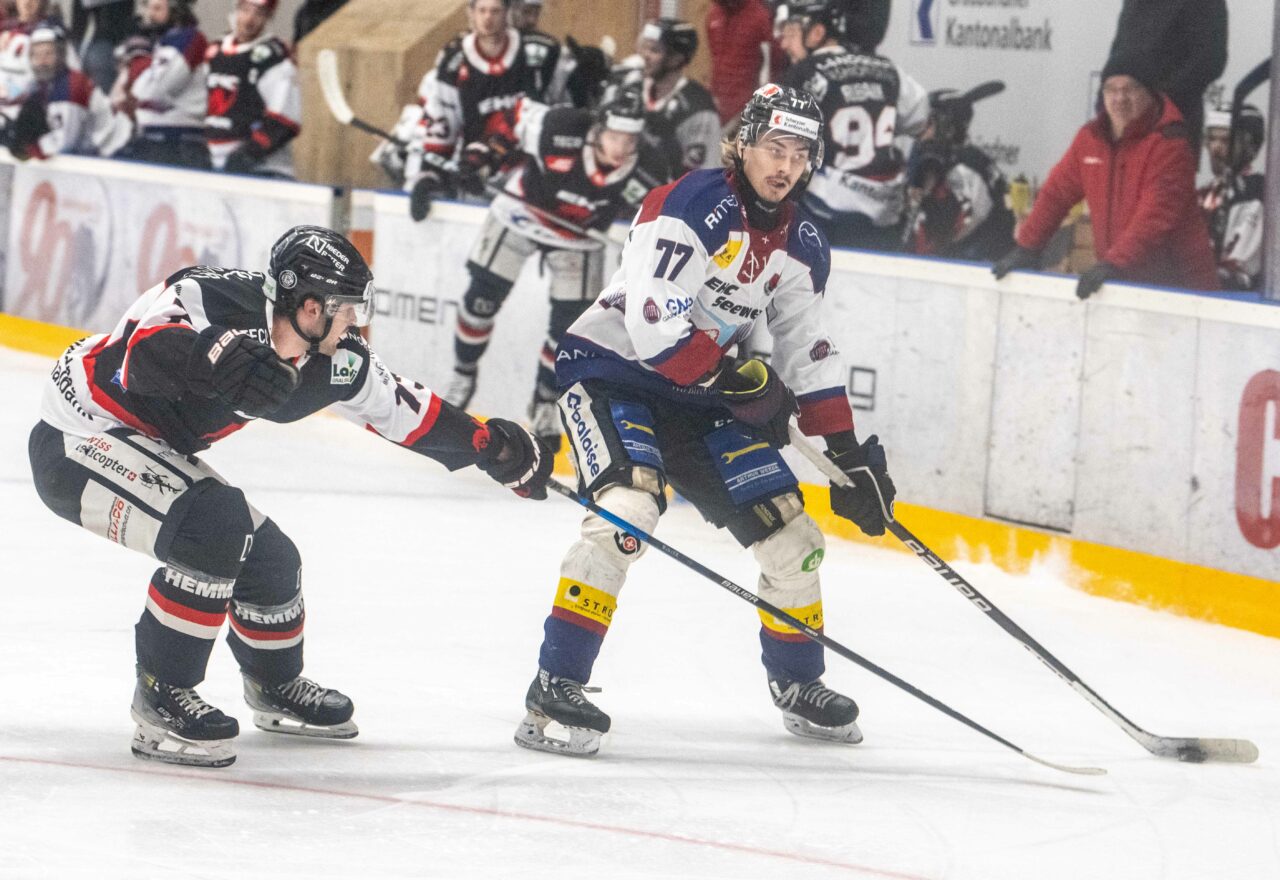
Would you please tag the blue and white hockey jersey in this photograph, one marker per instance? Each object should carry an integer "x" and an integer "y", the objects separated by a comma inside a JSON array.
[{"x": 694, "y": 280}]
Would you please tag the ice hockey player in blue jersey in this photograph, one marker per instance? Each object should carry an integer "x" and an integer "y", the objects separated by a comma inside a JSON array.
[
  {"x": 193, "y": 360},
  {"x": 651, "y": 396}
]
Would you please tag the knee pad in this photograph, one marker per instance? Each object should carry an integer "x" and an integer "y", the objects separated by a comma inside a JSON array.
[
  {"x": 603, "y": 554},
  {"x": 272, "y": 572},
  {"x": 208, "y": 530},
  {"x": 789, "y": 561},
  {"x": 485, "y": 295}
]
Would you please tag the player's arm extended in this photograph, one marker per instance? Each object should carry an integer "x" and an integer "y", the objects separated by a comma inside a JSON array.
[
  {"x": 664, "y": 266},
  {"x": 404, "y": 411}
]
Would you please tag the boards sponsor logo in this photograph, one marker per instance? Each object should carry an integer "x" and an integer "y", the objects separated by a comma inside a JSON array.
[
  {"x": 924, "y": 22},
  {"x": 1007, "y": 34},
  {"x": 1258, "y": 461}
]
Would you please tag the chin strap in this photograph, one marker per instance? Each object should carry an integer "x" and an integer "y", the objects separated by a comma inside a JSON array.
[{"x": 314, "y": 341}]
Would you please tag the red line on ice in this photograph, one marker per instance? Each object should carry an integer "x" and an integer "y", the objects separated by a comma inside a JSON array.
[{"x": 221, "y": 779}]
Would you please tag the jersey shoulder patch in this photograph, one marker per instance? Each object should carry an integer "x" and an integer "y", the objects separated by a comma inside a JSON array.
[
  {"x": 703, "y": 200},
  {"x": 807, "y": 244}
]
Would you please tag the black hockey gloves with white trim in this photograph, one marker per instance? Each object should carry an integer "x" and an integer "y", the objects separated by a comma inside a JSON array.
[
  {"x": 755, "y": 396},
  {"x": 240, "y": 371},
  {"x": 868, "y": 503},
  {"x": 514, "y": 457},
  {"x": 1018, "y": 258}
]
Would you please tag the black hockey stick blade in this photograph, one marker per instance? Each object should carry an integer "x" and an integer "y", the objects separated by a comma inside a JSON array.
[
  {"x": 1248, "y": 84},
  {"x": 1194, "y": 750},
  {"x": 808, "y": 631},
  {"x": 983, "y": 90}
]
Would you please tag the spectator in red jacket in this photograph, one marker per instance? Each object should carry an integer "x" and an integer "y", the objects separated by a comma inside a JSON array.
[
  {"x": 1134, "y": 167},
  {"x": 740, "y": 36}
]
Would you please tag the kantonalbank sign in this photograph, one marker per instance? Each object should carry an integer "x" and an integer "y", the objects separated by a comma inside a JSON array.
[{"x": 979, "y": 24}]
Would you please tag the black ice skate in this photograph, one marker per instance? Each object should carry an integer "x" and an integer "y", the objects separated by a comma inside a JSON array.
[
  {"x": 816, "y": 711},
  {"x": 559, "y": 701},
  {"x": 544, "y": 420},
  {"x": 461, "y": 387},
  {"x": 177, "y": 727},
  {"x": 301, "y": 707}
]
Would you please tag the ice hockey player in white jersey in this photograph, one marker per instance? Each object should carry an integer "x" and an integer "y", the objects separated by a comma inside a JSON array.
[
  {"x": 193, "y": 360},
  {"x": 859, "y": 196},
  {"x": 1233, "y": 200},
  {"x": 650, "y": 397},
  {"x": 64, "y": 112},
  {"x": 577, "y": 166}
]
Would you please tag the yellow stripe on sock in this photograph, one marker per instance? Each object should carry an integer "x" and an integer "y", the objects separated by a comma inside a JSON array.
[
  {"x": 809, "y": 614},
  {"x": 586, "y": 601}
]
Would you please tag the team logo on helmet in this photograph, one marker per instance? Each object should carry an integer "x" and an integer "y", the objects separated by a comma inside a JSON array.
[{"x": 288, "y": 280}]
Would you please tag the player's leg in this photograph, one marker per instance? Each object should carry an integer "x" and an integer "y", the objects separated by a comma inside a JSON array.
[
  {"x": 576, "y": 279},
  {"x": 619, "y": 464},
  {"x": 142, "y": 494},
  {"x": 494, "y": 264},
  {"x": 267, "y": 615},
  {"x": 741, "y": 483}
]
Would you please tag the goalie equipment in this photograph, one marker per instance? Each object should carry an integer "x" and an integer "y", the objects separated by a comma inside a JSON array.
[
  {"x": 302, "y": 707},
  {"x": 176, "y": 726},
  {"x": 560, "y": 702}
]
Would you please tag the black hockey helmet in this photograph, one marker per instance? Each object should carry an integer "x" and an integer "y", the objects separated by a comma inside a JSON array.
[
  {"x": 951, "y": 115},
  {"x": 312, "y": 262},
  {"x": 622, "y": 108},
  {"x": 831, "y": 14},
  {"x": 676, "y": 37},
  {"x": 1249, "y": 122},
  {"x": 790, "y": 111}
]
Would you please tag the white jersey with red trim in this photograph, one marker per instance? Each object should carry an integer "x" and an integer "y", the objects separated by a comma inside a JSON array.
[
  {"x": 171, "y": 88},
  {"x": 695, "y": 279},
  {"x": 135, "y": 376}
]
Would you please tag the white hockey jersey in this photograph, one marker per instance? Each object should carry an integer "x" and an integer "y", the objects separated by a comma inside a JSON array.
[{"x": 694, "y": 281}]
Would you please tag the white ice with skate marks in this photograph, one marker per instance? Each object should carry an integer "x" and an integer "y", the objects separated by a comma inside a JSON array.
[{"x": 425, "y": 596}]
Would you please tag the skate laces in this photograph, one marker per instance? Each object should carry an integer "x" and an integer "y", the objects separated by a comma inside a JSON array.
[
  {"x": 573, "y": 691},
  {"x": 302, "y": 691},
  {"x": 815, "y": 693},
  {"x": 190, "y": 702}
]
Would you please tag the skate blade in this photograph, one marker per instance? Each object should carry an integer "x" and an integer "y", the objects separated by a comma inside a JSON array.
[
  {"x": 578, "y": 742},
  {"x": 847, "y": 733},
  {"x": 152, "y": 743},
  {"x": 276, "y": 722}
]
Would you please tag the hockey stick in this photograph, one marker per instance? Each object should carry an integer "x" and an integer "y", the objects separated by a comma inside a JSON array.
[
  {"x": 827, "y": 642},
  {"x": 542, "y": 213},
  {"x": 331, "y": 86},
  {"x": 1193, "y": 749}
]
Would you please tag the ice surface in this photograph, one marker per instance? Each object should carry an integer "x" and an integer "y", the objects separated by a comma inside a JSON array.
[{"x": 425, "y": 596}]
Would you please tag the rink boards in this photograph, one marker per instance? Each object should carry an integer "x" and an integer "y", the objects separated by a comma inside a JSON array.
[{"x": 1133, "y": 439}]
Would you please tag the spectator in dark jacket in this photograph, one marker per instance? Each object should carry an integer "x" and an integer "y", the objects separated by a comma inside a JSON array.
[
  {"x": 1186, "y": 41},
  {"x": 1134, "y": 167}
]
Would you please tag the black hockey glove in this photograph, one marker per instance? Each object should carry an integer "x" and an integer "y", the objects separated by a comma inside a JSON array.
[
  {"x": 868, "y": 503},
  {"x": 475, "y": 166},
  {"x": 1018, "y": 258},
  {"x": 515, "y": 458},
  {"x": 244, "y": 160},
  {"x": 31, "y": 124},
  {"x": 755, "y": 396},
  {"x": 1093, "y": 278},
  {"x": 240, "y": 371}
]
